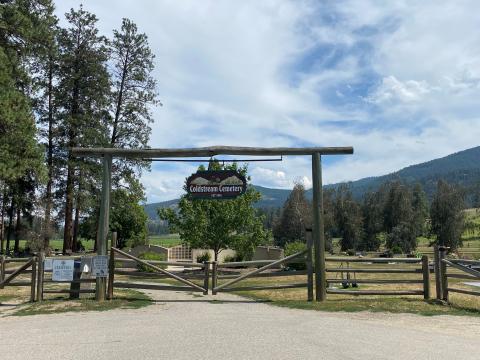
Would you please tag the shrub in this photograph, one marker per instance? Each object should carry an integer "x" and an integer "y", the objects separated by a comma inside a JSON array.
[
  {"x": 205, "y": 256},
  {"x": 151, "y": 256},
  {"x": 232, "y": 258},
  {"x": 293, "y": 248}
]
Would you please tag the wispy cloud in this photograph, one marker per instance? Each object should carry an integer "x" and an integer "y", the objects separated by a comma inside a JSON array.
[{"x": 398, "y": 80}]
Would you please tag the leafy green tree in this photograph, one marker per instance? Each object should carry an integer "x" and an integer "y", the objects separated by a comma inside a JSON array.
[
  {"x": 296, "y": 216},
  {"x": 348, "y": 218},
  {"x": 128, "y": 219},
  {"x": 447, "y": 216},
  {"x": 219, "y": 224}
]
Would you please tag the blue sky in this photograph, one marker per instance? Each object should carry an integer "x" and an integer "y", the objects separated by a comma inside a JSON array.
[{"x": 398, "y": 80}]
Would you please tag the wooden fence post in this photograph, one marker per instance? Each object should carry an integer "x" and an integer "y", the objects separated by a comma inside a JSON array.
[
  {"x": 309, "y": 265},
  {"x": 443, "y": 273},
  {"x": 438, "y": 278},
  {"x": 34, "y": 282},
  {"x": 2, "y": 270},
  {"x": 111, "y": 267},
  {"x": 206, "y": 276},
  {"x": 40, "y": 275},
  {"x": 318, "y": 229},
  {"x": 214, "y": 277},
  {"x": 426, "y": 277}
]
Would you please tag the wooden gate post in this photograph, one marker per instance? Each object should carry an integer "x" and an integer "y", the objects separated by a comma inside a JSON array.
[
  {"x": 2, "y": 270},
  {"x": 40, "y": 275},
  {"x": 206, "y": 278},
  {"x": 33, "y": 279},
  {"x": 426, "y": 277},
  {"x": 309, "y": 265},
  {"x": 443, "y": 273},
  {"x": 438, "y": 279},
  {"x": 214, "y": 277},
  {"x": 104, "y": 222},
  {"x": 318, "y": 229},
  {"x": 111, "y": 266}
]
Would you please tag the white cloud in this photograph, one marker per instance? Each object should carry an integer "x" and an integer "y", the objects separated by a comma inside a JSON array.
[
  {"x": 391, "y": 90},
  {"x": 295, "y": 73}
]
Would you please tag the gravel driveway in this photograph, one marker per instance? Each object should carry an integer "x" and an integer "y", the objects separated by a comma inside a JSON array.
[{"x": 183, "y": 326}]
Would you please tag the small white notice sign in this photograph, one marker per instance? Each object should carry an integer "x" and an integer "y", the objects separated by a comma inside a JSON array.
[
  {"x": 62, "y": 270},
  {"x": 48, "y": 264},
  {"x": 100, "y": 266}
]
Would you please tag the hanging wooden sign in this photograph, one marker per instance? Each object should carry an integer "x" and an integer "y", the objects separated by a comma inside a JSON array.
[{"x": 220, "y": 184}]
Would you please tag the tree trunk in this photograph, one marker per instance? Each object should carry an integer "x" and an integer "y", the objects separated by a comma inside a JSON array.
[
  {"x": 10, "y": 226},
  {"x": 67, "y": 235},
  {"x": 119, "y": 100},
  {"x": 68, "y": 231},
  {"x": 216, "y": 251},
  {"x": 16, "y": 248},
  {"x": 48, "y": 195},
  {"x": 76, "y": 224},
  {"x": 2, "y": 225}
]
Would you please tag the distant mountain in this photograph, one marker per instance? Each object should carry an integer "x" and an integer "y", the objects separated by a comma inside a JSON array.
[{"x": 462, "y": 168}]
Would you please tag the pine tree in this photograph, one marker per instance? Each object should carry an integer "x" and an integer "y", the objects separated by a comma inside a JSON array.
[
  {"x": 45, "y": 70},
  {"x": 133, "y": 96},
  {"x": 446, "y": 214},
  {"x": 296, "y": 216},
  {"x": 372, "y": 210},
  {"x": 82, "y": 102},
  {"x": 20, "y": 155},
  {"x": 348, "y": 219},
  {"x": 420, "y": 210}
]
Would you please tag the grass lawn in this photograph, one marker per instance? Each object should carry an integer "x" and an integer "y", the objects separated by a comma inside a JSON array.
[
  {"x": 124, "y": 299},
  {"x": 460, "y": 304},
  {"x": 165, "y": 240},
  {"x": 56, "y": 303}
]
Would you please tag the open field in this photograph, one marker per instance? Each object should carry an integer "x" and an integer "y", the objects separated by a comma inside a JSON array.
[{"x": 165, "y": 240}]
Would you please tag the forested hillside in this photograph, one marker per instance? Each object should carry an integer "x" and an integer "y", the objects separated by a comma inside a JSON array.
[{"x": 462, "y": 168}]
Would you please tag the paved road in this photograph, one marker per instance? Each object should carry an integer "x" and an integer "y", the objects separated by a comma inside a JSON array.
[{"x": 180, "y": 326}]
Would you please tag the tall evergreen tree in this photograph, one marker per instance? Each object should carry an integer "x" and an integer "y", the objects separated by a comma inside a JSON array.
[
  {"x": 446, "y": 214},
  {"x": 296, "y": 216},
  {"x": 372, "y": 210},
  {"x": 20, "y": 155},
  {"x": 133, "y": 96},
  {"x": 348, "y": 218},
  {"x": 420, "y": 210},
  {"x": 82, "y": 103},
  {"x": 45, "y": 70}
]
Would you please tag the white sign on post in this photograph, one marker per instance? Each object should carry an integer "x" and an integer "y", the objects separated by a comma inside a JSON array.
[
  {"x": 62, "y": 270},
  {"x": 100, "y": 266},
  {"x": 48, "y": 265}
]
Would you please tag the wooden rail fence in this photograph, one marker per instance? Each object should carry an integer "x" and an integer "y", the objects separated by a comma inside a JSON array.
[
  {"x": 28, "y": 266},
  {"x": 129, "y": 267},
  {"x": 466, "y": 270},
  {"x": 46, "y": 284},
  {"x": 305, "y": 255},
  {"x": 422, "y": 270}
]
